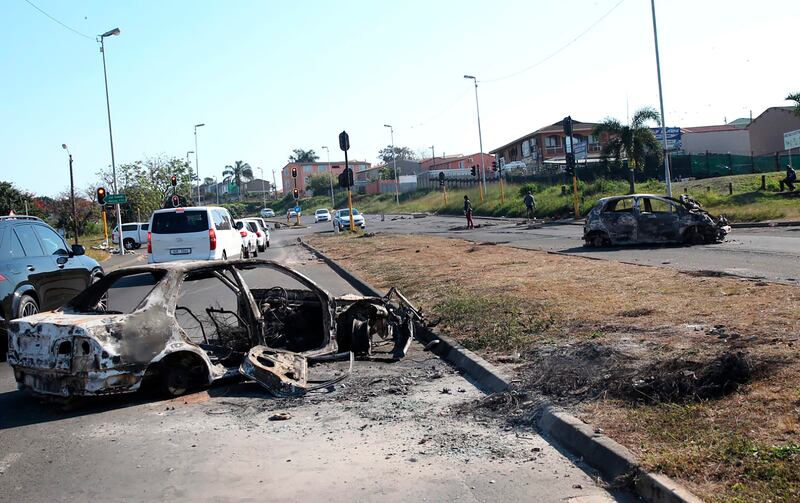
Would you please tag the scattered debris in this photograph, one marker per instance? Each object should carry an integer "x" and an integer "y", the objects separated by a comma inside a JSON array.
[{"x": 280, "y": 416}]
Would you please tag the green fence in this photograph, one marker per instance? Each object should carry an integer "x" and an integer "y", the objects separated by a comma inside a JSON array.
[{"x": 712, "y": 165}]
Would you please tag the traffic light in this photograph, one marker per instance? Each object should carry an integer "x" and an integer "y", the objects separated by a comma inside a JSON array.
[
  {"x": 173, "y": 180},
  {"x": 294, "y": 172},
  {"x": 473, "y": 170},
  {"x": 296, "y": 193},
  {"x": 101, "y": 196},
  {"x": 494, "y": 165},
  {"x": 346, "y": 178},
  {"x": 441, "y": 178},
  {"x": 570, "y": 168}
]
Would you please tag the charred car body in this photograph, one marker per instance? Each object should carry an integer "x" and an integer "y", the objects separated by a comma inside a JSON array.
[
  {"x": 190, "y": 323},
  {"x": 649, "y": 218}
]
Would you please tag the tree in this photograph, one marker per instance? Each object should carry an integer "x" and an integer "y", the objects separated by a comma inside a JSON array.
[
  {"x": 400, "y": 153},
  {"x": 796, "y": 98},
  {"x": 208, "y": 180},
  {"x": 386, "y": 173},
  {"x": 11, "y": 198},
  {"x": 320, "y": 183},
  {"x": 300, "y": 155},
  {"x": 236, "y": 173},
  {"x": 59, "y": 212},
  {"x": 633, "y": 141}
]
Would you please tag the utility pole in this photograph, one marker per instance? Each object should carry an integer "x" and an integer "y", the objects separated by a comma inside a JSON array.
[
  {"x": 101, "y": 39},
  {"x": 274, "y": 185},
  {"x": 196, "y": 163},
  {"x": 394, "y": 162},
  {"x": 330, "y": 176},
  {"x": 480, "y": 136},
  {"x": 667, "y": 176},
  {"x": 71, "y": 195},
  {"x": 263, "y": 191}
]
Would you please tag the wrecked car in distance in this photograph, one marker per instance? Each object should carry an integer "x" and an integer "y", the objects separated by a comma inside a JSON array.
[
  {"x": 184, "y": 324},
  {"x": 649, "y": 218}
]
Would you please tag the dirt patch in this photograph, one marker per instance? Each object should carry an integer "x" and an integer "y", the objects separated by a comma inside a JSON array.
[{"x": 691, "y": 372}]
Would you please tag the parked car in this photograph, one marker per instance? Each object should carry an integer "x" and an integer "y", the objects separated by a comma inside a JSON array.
[
  {"x": 342, "y": 219},
  {"x": 38, "y": 270},
  {"x": 268, "y": 213},
  {"x": 649, "y": 218},
  {"x": 291, "y": 213},
  {"x": 322, "y": 215},
  {"x": 134, "y": 235},
  {"x": 261, "y": 231},
  {"x": 249, "y": 239},
  {"x": 185, "y": 324},
  {"x": 194, "y": 233}
]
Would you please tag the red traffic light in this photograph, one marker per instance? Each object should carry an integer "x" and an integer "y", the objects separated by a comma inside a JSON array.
[
  {"x": 294, "y": 172},
  {"x": 173, "y": 180},
  {"x": 101, "y": 195},
  {"x": 296, "y": 193}
]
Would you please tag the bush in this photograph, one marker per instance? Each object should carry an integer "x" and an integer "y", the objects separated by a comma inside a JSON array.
[{"x": 533, "y": 187}]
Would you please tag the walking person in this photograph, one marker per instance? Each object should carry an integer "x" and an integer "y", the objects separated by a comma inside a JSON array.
[
  {"x": 468, "y": 212},
  {"x": 791, "y": 178},
  {"x": 530, "y": 204}
]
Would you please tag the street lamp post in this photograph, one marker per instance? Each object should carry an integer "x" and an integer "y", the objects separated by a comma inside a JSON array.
[
  {"x": 394, "y": 163},
  {"x": 480, "y": 136},
  {"x": 71, "y": 194},
  {"x": 101, "y": 40},
  {"x": 263, "y": 192},
  {"x": 330, "y": 176},
  {"x": 274, "y": 185},
  {"x": 197, "y": 164},
  {"x": 667, "y": 176},
  {"x": 216, "y": 189}
]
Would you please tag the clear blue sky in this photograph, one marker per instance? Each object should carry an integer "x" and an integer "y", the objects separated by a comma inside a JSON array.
[{"x": 267, "y": 77}]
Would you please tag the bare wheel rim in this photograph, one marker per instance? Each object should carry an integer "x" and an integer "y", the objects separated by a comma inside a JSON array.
[{"x": 29, "y": 309}]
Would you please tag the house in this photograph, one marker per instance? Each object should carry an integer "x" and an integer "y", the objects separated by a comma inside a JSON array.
[
  {"x": 405, "y": 167},
  {"x": 256, "y": 187},
  {"x": 546, "y": 145},
  {"x": 433, "y": 166},
  {"x": 306, "y": 169},
  {"x": 761, "y": 136}
]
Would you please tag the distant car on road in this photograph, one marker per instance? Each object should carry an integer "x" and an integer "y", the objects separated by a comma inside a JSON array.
[
  {"x": 649, "y": 218},
  {"x": 322, "y": 215},
  {"x": 342, "y": 219},
  {"x": 268, "y": 213},
  {"x": 291, "y": 213},
  {"x": 38, "y": 270},
  {"x": 134, "y": 235},
  {"x": 195, "y": 233},
  {"x": 257, "y": 226},
  {"x": 249, "y": 239}
]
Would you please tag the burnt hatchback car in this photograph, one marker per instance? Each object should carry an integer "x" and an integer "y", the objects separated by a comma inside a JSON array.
[
  {"x": 651, "y": 219},
  {"x": 183, "y": 324}
]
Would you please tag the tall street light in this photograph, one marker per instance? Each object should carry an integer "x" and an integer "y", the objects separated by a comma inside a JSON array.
[
  {"x": 667, "y": 177},
  {"x": 394, "y": 162},
  {"x": 197, "y": 164},
  {"x": 101, "y": 39},
  {"x": 274, "y": 185},
  {"x": 216, "y": 189},
  {"x": 480, "y": 136},
  {"x": 330, "y": 175},
  {"x": 263, "y": 191},
  {"x": 72, "y": 193}
]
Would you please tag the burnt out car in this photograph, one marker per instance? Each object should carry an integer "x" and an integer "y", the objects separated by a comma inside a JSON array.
[
  {"x": 183, "y": 324},
  {"x": 649, "y": 218}
]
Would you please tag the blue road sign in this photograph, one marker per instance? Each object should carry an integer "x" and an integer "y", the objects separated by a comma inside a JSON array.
[{"x": 297, "y": 209}]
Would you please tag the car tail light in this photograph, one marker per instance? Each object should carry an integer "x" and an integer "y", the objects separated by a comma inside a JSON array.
[
  {"x": 243, "y": 234},
  {"x": 149, "y": 243},
  {"x": 2, "y": 278},
  {"x": 212, "y": 239},
  {"x": 258, "y": 233}
]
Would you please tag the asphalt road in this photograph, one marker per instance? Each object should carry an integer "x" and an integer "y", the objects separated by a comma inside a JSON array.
[
  {"x": 392, "y": 432},
  {"x": 771, "y": 253}
]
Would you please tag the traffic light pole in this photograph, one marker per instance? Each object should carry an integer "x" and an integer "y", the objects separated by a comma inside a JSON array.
[{"x": 349, "y": 193}]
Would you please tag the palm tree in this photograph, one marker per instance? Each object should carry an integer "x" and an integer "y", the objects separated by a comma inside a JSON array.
[
  {"x": 633, "y": 141},
  {"x": 300, "y": 155},
  {"x": 236, "y": 173},
  {"x": 796, "y": 98}
]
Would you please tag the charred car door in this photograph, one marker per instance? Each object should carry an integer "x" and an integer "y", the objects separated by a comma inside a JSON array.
[
  {"x": 657, "y": 220},
  {"x": 619, "y": 219}
]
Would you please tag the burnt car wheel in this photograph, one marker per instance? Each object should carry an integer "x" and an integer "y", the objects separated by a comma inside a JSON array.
[
  {"x": 176, "y": 380},
  {"x": 693, "y": 236},
  {"x": 597, "y": 240},
  {"x": 27, "y": 306}
]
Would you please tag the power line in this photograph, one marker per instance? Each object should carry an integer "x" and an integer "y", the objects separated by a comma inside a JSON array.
[
  {"x": 557, "y": 51},
  {"x": 57, "y": 21}
]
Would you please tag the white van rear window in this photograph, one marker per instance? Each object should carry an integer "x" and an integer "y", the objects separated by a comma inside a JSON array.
[{"x": 180, "y": 222}]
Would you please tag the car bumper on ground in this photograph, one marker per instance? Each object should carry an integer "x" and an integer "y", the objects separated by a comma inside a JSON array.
[{"x": 65, "y": 385}]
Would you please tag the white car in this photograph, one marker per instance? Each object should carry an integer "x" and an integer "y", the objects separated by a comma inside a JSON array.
[
  {"x": 268, "y": 213},
  {"x": 342, "y": 219},
  {"x": 195, "y": 233},
  {"x": 134, "y": 234},
  {"x": 291, "y": 213},
  {"x": 257, "y": 226},
  {"x": 322, "y": 215},
  {"x": 249, "y": 239}
]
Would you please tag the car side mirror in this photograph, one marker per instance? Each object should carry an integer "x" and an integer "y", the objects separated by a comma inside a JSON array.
[
  {"x": 239, "y": 226},
  {"x": 78, "y": 250}
]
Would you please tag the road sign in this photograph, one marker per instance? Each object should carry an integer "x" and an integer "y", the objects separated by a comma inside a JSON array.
[
  {"x": 581, "y": 147},
  {"x": 344, "y": 141},
  {"x": 674, "y": 141},
  {"x": 791, "y": 140},
  {"x": 296, "y": 209},
  {"x": 116, "y": 199}
]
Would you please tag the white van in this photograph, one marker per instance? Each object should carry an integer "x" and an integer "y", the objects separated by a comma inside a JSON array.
[{"x": 194, "y": 233}]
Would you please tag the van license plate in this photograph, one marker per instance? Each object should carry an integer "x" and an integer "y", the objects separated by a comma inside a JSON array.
[{"x": 180, "y": 251}]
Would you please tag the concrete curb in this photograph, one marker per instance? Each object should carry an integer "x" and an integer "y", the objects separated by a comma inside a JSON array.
[
  {"x": 612, "y": 459},
  {"x": 752, "y": 225}
]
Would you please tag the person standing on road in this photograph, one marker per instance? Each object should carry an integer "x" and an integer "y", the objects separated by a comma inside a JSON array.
[
  {"x": 530, "y": 204},
  {"x": 468, "y": 212},
  {"x": 791, "y": 178}
]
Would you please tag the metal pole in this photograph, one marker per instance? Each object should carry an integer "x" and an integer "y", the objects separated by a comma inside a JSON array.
[
  {"x": 111, "y": 141},
  {"x": 480, "y": 135},
  {"x": 263, "y": 192},
  {"x": 216, "y": 189},
  {"x": 330, "y": 176},
  {"x": 274, "y": 185},
  {"x": 72, "y": 198},
  {"x": 197, "y": 163},
  {"x": 667, "y": 177}
]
